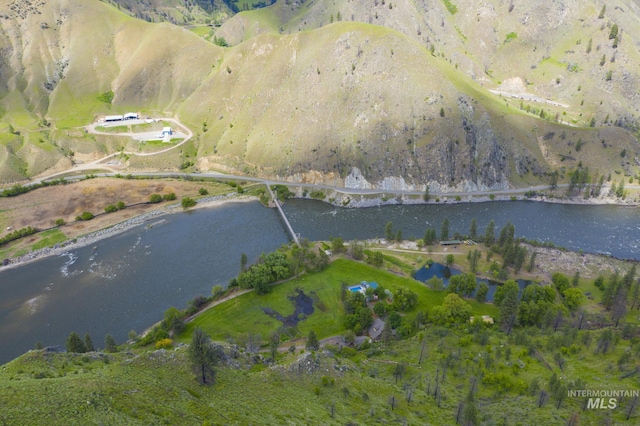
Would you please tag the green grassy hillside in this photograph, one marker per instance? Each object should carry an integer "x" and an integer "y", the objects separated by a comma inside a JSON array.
[{"x": 553, "y": 51}]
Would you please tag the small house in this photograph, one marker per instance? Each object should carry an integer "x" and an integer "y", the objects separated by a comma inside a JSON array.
[
  {"x": 376, "y": 329},
  {"x": 167, "y": 131}
]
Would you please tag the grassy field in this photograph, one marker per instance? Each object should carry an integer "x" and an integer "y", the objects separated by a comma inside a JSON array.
[
  {"x": 49, "y": 238},
  {"x": 335, "y": 387},
  {"x": 244, "y": 314}
]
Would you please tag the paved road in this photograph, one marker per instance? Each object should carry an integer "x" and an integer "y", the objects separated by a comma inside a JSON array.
[{"x": 104, "y": 165}]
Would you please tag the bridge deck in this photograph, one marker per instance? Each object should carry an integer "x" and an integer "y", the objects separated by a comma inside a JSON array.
[{"x": 284, "y": 217}]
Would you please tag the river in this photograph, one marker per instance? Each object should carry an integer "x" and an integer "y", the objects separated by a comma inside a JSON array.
[
  {"x": 127, "y": 281},
  {"x": 613, "y": 230}
]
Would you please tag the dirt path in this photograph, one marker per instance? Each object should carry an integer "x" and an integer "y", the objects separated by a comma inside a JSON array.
[
  {"x": 215, "y": 303},
  {"x": 529, "y": 97}
]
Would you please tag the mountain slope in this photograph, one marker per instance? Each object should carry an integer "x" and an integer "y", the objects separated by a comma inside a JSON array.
[
  {"x": 59, "y": 57},
  {"x": 543, "y": 44},
  {"x": 348, "y": 104}
]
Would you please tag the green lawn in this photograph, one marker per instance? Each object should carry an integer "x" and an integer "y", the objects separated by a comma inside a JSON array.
[
  {"x": 49, "y": 238},
  {"x": 244, "y": 314}
]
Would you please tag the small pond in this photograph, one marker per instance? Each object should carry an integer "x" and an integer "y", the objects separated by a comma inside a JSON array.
[{"x": 444, "y": 272}]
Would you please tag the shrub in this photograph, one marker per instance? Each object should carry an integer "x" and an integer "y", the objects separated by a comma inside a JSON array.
[
  {"x": 511, "y": 36},
  {"x": 111, "y": 208},
  {"x": 452, "y": 8},
  {"x": 216, "y": 291},
  {"x": 203, "y": 191},
  {"x": 188, "y": 202},
  {"x": 169, "y": 197},
  {"x": 318, "y": 195},
  {"x": 84, "y": 216},
  {"x": 60, "y": 222},
  {"x": 164, "y": 344},
  {"x": 106, "y": 97},
  {"x": 155, "y": 198},
  {"x": 120, "y": 205}
]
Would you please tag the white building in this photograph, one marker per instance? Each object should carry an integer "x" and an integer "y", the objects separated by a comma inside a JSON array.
[
  {"x": 131, "y": 116},
  {"x": 110, "y": 118},
  {"x": 167, "y": 131}
]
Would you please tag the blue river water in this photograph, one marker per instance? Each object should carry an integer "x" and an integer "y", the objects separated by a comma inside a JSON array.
[{"x": 127, "y": 281}]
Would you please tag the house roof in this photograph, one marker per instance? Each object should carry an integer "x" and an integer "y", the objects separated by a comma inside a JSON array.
[{"x": 376, "y": 328}]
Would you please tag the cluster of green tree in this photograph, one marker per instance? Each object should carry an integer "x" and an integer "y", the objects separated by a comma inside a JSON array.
[
  {"x": 358, "y": 315},
  {"x": 172, "y": 322},
  {"x": 473, "y": 256},
  {"x": 120, "y": 205},
  {"x": 508, "y": 246},
  {"x": 543, "y": 306},
  {"x": 17, "y": 234},
  {"x": 304, "y": 257},
  {"x": 463, "y": 284},
  {"x": 20, "y": 189},
  {"x": 337, "y": 245},
  {"x": 76, "y": 344},
  {"x": 269, "y": 269},
  {"x": 219, "y": 41},
  {"x": 390, "y": 235},
  {"x": 619, "y": 292},
  {"x": 618, "y": 189},
  {"x": 454, "y": 310},
  {"x": 174, "y": 319},
  {"x": 282, "y": 192},
  {"x": 578, "y": 179}
]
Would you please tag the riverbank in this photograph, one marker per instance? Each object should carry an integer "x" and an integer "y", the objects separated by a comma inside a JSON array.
[
  {"x": 102, "y": 228},
  {"x": 112, "y": 230},
  {"x": 344, "y": 198}
]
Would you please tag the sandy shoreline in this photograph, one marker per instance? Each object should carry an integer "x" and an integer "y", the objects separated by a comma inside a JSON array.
[{"x": 118, "y": 228}]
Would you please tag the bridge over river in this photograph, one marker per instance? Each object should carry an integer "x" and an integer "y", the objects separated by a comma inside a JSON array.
[{"x": 284, "y": 217}]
